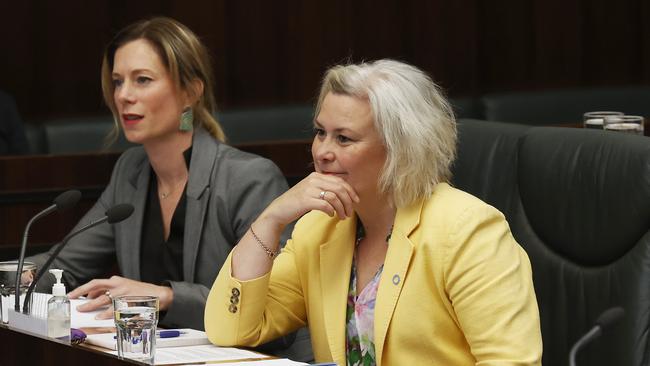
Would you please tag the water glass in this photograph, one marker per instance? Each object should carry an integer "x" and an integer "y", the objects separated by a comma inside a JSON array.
[
  {"x": 136, "y": 319},
  {"x": 596, "y": 120},
  {"x": 8, "y": 284},
  {"x": 629, "y": 124}
]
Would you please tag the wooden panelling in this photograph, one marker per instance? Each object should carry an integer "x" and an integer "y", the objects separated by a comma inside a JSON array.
[{"x": 275, "y": 52}]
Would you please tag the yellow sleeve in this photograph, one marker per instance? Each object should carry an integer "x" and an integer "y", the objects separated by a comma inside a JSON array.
[
  {"x": 489, "y": 280},
  {"x": 250, "y": 313}
]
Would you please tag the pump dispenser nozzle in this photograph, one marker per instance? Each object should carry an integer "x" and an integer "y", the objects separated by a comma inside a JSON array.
[{"x": 59, "y": 288}]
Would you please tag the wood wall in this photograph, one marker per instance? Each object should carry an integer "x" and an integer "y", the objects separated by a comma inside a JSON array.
[{"x": 274, "y": 52}]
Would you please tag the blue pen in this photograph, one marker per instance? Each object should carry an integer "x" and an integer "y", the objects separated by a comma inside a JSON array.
[
  {"x": 172, "y": 333},
  {"x": 169, "y": 333}
]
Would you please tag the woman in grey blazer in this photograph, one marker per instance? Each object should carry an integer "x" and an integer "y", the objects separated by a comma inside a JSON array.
[{"x": 194, "y": 196}]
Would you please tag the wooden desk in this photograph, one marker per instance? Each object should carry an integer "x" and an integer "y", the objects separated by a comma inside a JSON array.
[{"x": 20, "y": 348}]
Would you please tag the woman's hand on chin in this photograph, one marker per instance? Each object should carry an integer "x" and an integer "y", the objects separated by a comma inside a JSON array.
[
  {"x": 101, "y": 291},
  {"x": 327, "y": 193}
]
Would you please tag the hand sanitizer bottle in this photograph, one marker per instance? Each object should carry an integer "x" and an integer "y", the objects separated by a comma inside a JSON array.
[{"x": 58, "y": 310}]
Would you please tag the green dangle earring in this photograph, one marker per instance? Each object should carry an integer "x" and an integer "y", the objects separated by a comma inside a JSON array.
[{"x": 187, "y": 120}]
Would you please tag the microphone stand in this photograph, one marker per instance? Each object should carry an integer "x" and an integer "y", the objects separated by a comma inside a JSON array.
[
  {"x": 62, "y": 202},
  {"x": 21, "y": 257},
  {"x": 46, "y": 265},
  {"x": 606, "y": 319},
  {"x": 593, "y": 333}
]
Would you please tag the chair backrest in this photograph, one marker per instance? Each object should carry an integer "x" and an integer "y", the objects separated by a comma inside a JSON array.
[
  {"x": 487, "y": 160},
  {"x": 564, "y": 106},
  {"x": 81, "y": 135},
  {"x": 467, "y": 107},
  {"x": 267, "y": 124},
  {"x": 578, "y": 201},
  {"x": 88, "y": 134}
]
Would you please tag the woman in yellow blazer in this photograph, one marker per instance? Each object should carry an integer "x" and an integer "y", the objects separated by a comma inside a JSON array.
[{"x": 388, "y": 264}]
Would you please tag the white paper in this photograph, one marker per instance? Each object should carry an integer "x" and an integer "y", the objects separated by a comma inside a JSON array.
[
  {"x": 270, "y": 362},
  {"x": 189, "y": 337},
  {"x": 205, "y": 353},
  {"x": 175, "y": 355},
  {"x": 80, "y": 319}
]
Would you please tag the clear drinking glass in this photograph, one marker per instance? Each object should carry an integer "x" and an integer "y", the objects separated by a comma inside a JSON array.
[
  {"x": 629, "y": 124},
  {"x": 8, "y": 284},
  {"x": 596, "y": 120},
  {"x": 136, "y": 319}
]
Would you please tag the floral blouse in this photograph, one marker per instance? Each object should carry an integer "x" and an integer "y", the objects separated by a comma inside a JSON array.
[{"x": 360, "y": 315}]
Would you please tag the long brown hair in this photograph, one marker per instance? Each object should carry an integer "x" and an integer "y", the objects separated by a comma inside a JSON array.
[{"x": 185, "y": 58}]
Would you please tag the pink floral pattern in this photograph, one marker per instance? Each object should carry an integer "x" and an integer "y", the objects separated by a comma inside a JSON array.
[{"x": 360, "y": 317}]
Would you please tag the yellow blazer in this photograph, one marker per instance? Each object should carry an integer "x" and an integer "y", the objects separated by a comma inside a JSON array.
[{"x": 456, "y": 289}]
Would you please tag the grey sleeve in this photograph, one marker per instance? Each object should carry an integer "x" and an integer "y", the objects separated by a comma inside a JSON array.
[
  {"x": 188, "y": 306},
  {"x": 250, "y": 186},
  {"x": 254, "y": 188}
]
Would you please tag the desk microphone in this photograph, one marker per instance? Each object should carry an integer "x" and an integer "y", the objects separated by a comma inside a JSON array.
[
  {"x": 113, "y": 215},
  {"x": 605, "y": 320},
  {"x": 62, "y": 202}
]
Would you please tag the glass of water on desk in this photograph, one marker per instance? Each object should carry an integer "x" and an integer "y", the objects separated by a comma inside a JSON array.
[
  {"x": 136, "y": 319},
  {"x": 596, "y": 120},
  {"x": 629, "y": 124},
  {"x": 8, "y": 284}
]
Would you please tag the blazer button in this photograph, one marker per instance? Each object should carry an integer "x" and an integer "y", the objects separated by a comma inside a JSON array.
[
  {"x": 234, "y": 299},
  {"x": 232, "y": 308},
  {"x": 235, "y": 292}
]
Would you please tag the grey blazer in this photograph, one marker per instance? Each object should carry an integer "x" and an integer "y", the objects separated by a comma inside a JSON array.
[{"x": 226, "y": 190}]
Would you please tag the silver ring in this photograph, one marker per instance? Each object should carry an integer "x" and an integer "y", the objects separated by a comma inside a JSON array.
[
  {"x": 322, "y": 195},
  {"x": 108, "y": 294}
]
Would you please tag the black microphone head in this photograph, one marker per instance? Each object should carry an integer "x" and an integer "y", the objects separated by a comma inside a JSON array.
[
  {"x": 119, "y": 212},
  {"x": 610, "y": 316},
  {"x": 67, "y": 199}
]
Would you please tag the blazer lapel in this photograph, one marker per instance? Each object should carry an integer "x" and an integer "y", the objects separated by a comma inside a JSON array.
[
  {"x": 398, "y": 258},
  {"x": 335, "y": 267},
  {"x": 139, "y": 185},
  {"x": 204, "y": 155}
]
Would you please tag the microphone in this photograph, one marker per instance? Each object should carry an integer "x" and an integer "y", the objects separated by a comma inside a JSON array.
[
  {"x": 604, "y": 321},
  {"x": 62, "y": 202},
  {"x": 113, "y": 215}
]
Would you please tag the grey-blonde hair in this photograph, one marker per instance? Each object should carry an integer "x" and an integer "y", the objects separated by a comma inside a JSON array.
[
  {"x": 413, "y": 118},
  {"x": 185, "y": 58}
]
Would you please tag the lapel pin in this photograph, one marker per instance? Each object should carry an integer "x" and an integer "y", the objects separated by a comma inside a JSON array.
[{"x": 396, "y": 279}]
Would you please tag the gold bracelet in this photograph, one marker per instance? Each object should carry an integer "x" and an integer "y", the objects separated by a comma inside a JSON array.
[{"x": 268, "y": 251}]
